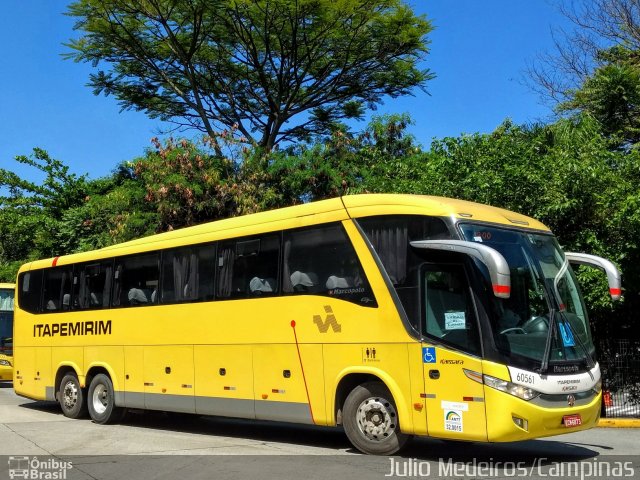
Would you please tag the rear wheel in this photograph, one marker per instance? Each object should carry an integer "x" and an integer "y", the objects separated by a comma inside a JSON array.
[
  {"x": 71, "y": 397},
  {"x": 371, "y": 420},
  {"x": 101, "y": 401}
]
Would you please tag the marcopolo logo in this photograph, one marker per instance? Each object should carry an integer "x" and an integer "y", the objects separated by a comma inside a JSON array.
[{"x": 36, "y": 469}]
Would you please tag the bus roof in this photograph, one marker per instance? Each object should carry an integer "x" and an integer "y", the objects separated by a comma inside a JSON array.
[{"x": 307, "y": 214}]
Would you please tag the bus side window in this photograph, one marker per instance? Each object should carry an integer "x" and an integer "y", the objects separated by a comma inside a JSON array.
[
  {"x": 136, "y": 280},
  {"x": 322, "y": 261},
  {"x": 6, "y": 301},
  {"x": 449, "y": 315},
  {"x": 187, "y": 274},
  {"x": 91, "y": 286},
  {"x": 248, "y": 267},
  {"x": 57, "y": 288},
  {"x": 30, "y": 290}
]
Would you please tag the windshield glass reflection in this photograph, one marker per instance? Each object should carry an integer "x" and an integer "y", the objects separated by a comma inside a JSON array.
[{"x": 542, "y": 283}]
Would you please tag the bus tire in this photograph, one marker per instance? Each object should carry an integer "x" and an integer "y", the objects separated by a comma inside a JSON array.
[
  {"x": 370, "y": 420},
  {"x": 101, "y": 401},
  {"x": 71, "y": 397}
]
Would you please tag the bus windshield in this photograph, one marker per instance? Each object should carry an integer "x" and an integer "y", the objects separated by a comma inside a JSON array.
[
  {"x": 6, "y": 321},
  {"x": 544, "y": 292}
]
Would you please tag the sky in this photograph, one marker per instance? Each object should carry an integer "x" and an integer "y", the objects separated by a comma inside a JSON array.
[{"x": 479, "y": 51}]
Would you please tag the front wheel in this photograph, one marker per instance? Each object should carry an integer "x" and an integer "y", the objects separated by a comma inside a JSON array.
[
  {"x": 71, "y": 397},
  {"x": 101, "y": 403},
  {"x": 371, "y": 420}
]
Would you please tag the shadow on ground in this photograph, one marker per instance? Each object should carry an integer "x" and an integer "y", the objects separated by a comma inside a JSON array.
[{"x": 429, "y": 449}]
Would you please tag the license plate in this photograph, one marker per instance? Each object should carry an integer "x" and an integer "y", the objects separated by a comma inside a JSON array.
[{"x": 572, "y": 421}]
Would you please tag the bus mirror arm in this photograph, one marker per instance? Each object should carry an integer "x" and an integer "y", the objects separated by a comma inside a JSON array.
[
  {"x": 613, "y": 274},
  {"x": 494, "y": 261}
]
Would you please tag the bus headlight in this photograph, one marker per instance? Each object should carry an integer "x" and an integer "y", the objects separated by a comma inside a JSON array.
[
  {"x": 519, "y": 391},
  {"x": 5, "y": 363}
]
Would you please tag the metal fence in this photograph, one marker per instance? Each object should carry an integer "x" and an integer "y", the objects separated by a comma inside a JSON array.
[{"x": 620, "y": 364}]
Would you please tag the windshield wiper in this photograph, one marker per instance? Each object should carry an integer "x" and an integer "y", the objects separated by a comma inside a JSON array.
[
  {"x": 561, "y": 273},
  {"x": 544, "y": 366},
  {"x": 587, "y": 355}
]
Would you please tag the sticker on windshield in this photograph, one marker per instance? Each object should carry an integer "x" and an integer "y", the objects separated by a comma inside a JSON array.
[
  {"x": 567, "y": 335},
  {"x": 454, "y": 321},
  {"x": 477, "y": 238}
]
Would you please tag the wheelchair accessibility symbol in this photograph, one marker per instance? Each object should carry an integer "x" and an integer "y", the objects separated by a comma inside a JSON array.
[{"x": 429, "y": 354}]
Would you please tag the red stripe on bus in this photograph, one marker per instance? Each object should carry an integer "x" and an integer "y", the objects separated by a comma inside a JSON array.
[{"x": 55, "y": 261}]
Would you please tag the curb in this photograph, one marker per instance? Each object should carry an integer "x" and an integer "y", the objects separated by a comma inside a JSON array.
[{"x": 619, "y": 422}]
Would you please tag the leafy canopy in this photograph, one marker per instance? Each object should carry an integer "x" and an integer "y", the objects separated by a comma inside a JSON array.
[{"x": 272, "y": 69}]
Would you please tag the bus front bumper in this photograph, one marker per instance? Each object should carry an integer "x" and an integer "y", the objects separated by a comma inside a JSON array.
[{"x": 511, "y": 419}]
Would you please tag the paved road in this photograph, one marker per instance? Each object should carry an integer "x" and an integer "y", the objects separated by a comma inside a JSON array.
[{"x": 156, "y": 445}]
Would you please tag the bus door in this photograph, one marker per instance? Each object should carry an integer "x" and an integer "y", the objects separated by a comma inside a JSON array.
[{"x": 451, "y": 357}]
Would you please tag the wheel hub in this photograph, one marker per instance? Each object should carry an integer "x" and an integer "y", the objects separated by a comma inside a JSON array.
[
  {"x": 70, "y": 395},
  {"x": 100, "y": 399},
  {"x": 376, "y": 418}
]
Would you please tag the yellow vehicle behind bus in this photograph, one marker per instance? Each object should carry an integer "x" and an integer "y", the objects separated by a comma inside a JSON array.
[
  {"x": 392, "y": 315},
  {"x": 7, "y": 291}
]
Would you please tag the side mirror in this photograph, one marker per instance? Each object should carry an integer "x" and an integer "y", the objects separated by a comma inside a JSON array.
[
  {"x": 613, "y": 274},
  {"x": 494, "y": 261}
]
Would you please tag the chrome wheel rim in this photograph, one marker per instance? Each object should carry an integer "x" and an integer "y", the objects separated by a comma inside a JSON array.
[
  {"x": 100, "y": 399},
  {"x": 376, "y": 418},
  {"x": 70, "y": 395}
]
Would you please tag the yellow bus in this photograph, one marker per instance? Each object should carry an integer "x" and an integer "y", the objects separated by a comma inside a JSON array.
[
  {"x": 392, "y": 315},
  {"x": 7, "y": 291}
]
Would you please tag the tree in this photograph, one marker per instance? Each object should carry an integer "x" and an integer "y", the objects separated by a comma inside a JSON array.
[
  {"x": 600, "y": 26},
  {"x": 272, "y": 69},
  {"x": 185, "y": 184},
  {"x": 596, "y": 67},
  {"x": 374, "y": 160},
  {"x": 30, "y": 211},
  {"x": 612, "y": 96}
]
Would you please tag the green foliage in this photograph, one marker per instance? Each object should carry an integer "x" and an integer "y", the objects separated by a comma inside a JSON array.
[
  {"x": 115, "y": 215},
  {"x": 258, "y": 66},
  {"x": 565, "y": 175},
  {"x": 375, "y": 160},
  {"x": 58, "y": 191},
  {"x": 30, "y": 212},
  {"x": 185, "y": 184},
  {"x": 612, "y": 96}
]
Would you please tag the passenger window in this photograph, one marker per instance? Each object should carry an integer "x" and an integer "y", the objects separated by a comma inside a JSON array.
[
  {"x": 136, "y": 280},
  {"x": 30, "y": 290},
  {"x": 389, "y": 236},
  {"x": 57, "y": 289},
  {"x": 188, "y": 273},
  {"x": 449, "y": 316},
  {"x": 248, "y": 267},
  {"x": 322, "y": 261},
  {"x": 92, "y": 285}
]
